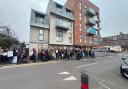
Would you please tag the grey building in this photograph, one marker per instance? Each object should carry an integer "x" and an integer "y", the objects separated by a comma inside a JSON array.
[
  {"x": 39, "y": 30},
  {"x": 61, "y": 25}
]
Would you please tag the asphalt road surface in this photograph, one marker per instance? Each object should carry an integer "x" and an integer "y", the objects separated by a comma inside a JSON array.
[{"x": 103, "y": 74}]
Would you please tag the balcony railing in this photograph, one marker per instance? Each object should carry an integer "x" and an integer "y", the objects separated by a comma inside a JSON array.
[
  {"x": 91, "y": 31},
  {"x": 62, "y": 26},
  {"x": 95, "y": 27},
  {"x": 91, "y": 12},
  {"x": 91, "y": 21}
]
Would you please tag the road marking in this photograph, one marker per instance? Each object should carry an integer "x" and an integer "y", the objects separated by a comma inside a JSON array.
[
  {"x": 64, "y": 73},
  {"x": 101, "y": 83},
  {"x": 70, "y": 78},
  {"x": 87, "y": 65}
]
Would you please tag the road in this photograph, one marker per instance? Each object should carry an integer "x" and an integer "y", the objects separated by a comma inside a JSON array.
[{"x": 103, "y": 74}]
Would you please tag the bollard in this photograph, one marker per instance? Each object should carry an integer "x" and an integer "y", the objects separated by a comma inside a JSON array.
[{"x": 84, "y": 81}]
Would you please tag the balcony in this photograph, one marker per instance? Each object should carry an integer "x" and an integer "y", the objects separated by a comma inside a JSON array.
[
  {"x": 62, "y": 26},
  {"x": 91, "y": 21},
  {"x": 91, "y": 12},
  {"x": 91, "y": 31},
  {"x": 95, "y": 27}
]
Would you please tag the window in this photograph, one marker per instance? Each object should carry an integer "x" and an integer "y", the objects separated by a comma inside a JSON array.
[
  {"x": 80, "y": 38},
  {"x": 70, "y": 37},
  {"x": 80, "y": 5},
  {"x": 39, "y": 18},
  {"x": 126, "y": 36},
  {"x": 41, "y": 35},
  {"x": 59, "y": 36},
  {"x": 85, "y": 8},
  {"x": 85, "y": 20},
  {"x": 41, "y": 32},
  {"x": 80, "y": 15},
  {"x": 115, "y": 38},
  {"x": 58, "y": 6},
  {"x": 68, "y": 11},
  {"x": 80, "y": 27}
]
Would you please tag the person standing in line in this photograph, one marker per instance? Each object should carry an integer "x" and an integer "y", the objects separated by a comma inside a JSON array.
[
  {"x": 78, "y": 55},
  {"x": 33, "y": 55},
  {"x": 10, "y": 55},
  {"x": 19, "y": 56},
  {"x": 56, "y": 53},
  {"x": 68, "y": 54},
  {"x": 90, "y": 53},
  {"x": 86, "y": 51},
  {"x": 5, "y": 55},
  {"x": 53, "y": 55},
  {"x": 14, "y": 56},
  {"x": 93, "y": 54}
]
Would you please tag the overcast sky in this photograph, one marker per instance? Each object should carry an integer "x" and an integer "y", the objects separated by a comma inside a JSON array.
[{"x": 16, "y": 13}]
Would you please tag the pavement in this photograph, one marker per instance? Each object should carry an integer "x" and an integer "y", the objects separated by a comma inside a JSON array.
[{"x": 103, "y": 74}]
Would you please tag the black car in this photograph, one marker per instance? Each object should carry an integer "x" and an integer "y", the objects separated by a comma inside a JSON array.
[{"x": 124, "y": 68}]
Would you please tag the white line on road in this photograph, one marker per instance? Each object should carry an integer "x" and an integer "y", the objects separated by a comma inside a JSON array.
[
  {"x": 86, "y": 65},
  {"x": 64, "y": 73},
  {"x": 70, "y": 78},
  {"x": 101, "y": 83}
]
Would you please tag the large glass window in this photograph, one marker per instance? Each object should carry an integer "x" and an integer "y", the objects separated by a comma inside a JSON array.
[
  {"x": 59, "y": 36},
  {"x": 41, "y": 35},
  {"x": 39, "y": 18}
]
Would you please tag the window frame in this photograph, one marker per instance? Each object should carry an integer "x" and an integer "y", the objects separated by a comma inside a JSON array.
[
  {"x": 59, "y": 36},
  {"x": 41, "y": 34},
  {"x": 70, "y": 37}
]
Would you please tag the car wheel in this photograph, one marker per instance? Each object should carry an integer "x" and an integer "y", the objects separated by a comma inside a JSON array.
[{"x": 123, "y": 74}]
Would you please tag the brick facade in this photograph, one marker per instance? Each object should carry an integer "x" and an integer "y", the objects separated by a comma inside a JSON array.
[{"x": 78, "y": 8}]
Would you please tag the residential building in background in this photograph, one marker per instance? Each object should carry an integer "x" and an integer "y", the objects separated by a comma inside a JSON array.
[
  {"x": 120, "y": 40},
  {"x": 61, "y": 25},
  {"x": 39, "y": 29},
  {"x": 86, "y": 23}
]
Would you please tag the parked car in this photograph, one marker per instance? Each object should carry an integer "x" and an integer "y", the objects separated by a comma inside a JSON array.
[{"x": 124, "y": 68}]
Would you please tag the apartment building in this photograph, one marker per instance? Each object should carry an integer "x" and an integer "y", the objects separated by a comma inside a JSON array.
[
  {"x": 86, "y": 23},
  {"x": 39, "y": 29},
  {"x": 61, "y": 25},
  {"x": 75, "y": 24}
]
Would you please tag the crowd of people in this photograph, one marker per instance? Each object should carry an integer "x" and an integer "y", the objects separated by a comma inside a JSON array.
[{"x": 22, "y": 55}]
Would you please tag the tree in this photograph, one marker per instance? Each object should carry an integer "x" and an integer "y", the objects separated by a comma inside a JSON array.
[{"x": 7, "y": 37}]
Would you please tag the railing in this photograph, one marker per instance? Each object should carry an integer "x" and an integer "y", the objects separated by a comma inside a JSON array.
[
  {"x": 62, "y": 26},
  {"x": 91, "y": 31},
  {"x": 91, "y": 11},
  {"x": 92, "y": 21}
]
